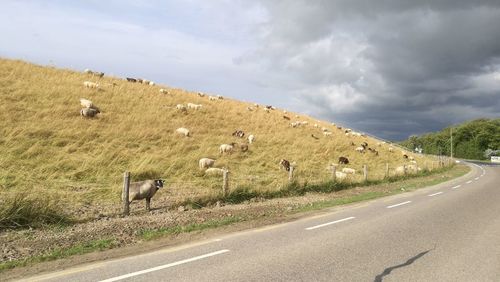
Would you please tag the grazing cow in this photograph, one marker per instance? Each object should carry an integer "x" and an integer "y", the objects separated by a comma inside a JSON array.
[
  {"x": 285, "y": 164},
  {"x": 312, "y": 135},
  {"x": 343, "y": 160},
  {"x": 364, "y": 145},
  {"x": 129, "y": 79},
  {"x": 285, "y": 117},
  {"x": 405, "y": 156}
]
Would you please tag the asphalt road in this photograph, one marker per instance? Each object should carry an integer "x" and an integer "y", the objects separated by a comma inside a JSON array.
[{"x": 448, "y": 232}]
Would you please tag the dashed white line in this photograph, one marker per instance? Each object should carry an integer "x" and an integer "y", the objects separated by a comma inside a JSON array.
[
  {"x": 476, "y": 178},
  {"x": 435, "y": 194},
  {"x": 330, "y": 223},
  {"x": 400, "y": 204},
  {"x": 164, "y": 266},
  {"x": 455, "y": 187},
  {"x": 468, "y": 182}
]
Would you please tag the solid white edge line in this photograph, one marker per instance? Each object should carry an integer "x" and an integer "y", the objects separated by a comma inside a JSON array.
[
  {"x": 432, "y": 195},
  {"x": 400, "y": 204},
  {"x": 164, "y": 266},
  {"x": 330, "y": 223},
  {"x": 468, "y": 182},
  {"x": 455, "y": 187}
]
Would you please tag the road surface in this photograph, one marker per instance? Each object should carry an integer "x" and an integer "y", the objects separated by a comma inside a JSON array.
[{"x": 448, "y": 232}]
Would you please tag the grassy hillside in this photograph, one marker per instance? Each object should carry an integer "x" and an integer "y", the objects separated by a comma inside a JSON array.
[
  {"x": 471, "y": 140},
  {"x": 49, "y": 149}
]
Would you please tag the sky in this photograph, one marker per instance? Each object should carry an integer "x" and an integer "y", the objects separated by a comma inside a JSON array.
[{"x": 390, "y": 68}]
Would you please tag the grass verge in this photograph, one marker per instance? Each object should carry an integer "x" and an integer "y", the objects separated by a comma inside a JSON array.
[
  {"x": 83, "y": 248},
  {"x": 30, "y": 210},
  {"x": 243, "y": 193},
  {"x": 395, "y": 188},
  {"x": 150, "y": 234}
]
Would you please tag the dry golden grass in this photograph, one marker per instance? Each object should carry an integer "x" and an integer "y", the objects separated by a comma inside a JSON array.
[{"x": 47, "y": 147}]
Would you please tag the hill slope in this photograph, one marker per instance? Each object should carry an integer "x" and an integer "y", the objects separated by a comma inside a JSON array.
[
  {"x": 48, "y": 148},
  {"x": 471, "y": 139}
]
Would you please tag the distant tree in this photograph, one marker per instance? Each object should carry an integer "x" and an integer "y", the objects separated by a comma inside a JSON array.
[{"x": 477, "y": 139}]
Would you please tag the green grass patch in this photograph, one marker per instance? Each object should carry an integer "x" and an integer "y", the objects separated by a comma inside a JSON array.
[
  {"x": 150, "y": 234},
  {"x": 23, "y": 209},
  {"x": 294, "y": 188},
  {"x": 87, "y": 247},
  {"x": 415, "y": 184}
]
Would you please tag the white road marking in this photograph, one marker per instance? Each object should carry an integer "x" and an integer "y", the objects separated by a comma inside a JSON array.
[
  {"x": 468, "y": 182},
  {"x": 164, "y": 266},
  {"x": 330, "y": 223},
  {"x": 400, "y": 204},
  {"x": 476, "y": 178},
  {"x": 217, "y": 240},
  {"x": 432, "y": 195},
  {"x": 455, "y": 187}
]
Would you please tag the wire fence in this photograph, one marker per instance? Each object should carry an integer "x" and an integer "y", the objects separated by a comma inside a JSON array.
[{"x": 229, "y": 186}]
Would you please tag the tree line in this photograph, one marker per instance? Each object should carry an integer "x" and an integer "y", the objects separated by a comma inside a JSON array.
[{"x": 476, "y": 139}]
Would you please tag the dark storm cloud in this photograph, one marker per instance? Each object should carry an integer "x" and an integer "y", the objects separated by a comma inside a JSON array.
[{"x": 391, "y": 68}]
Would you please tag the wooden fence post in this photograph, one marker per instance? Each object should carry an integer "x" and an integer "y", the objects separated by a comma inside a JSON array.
[
  {"x": 365, "y": 173},
  {"x": 125, "y": 195},
  {"x": 225, "y": 182},
  {"x": 290, "y": 173},
  {"x": 386, "y": 170},
  {"x": 334, "y": 173}
]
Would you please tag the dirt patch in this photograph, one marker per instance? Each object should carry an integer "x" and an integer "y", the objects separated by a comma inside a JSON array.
[{"x": 126, "y": 232}]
